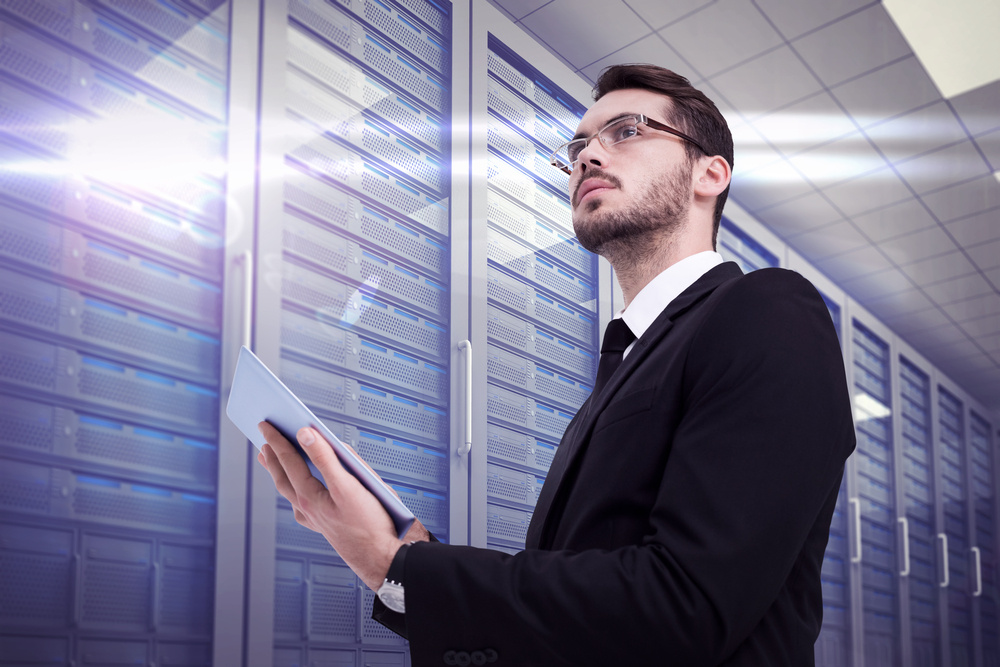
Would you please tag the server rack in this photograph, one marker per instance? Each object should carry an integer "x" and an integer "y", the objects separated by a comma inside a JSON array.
[
  {"x": 918, "y": 522},
  {"x": 110, "y": 276},
  {"x": 736, "y": 245},
  {"x": 985, "y": 593},
  {"x": 875, "y": 502},
  {"x": 954, "y": 536},
  {"x": 541, "y": 291},
  {"x": 353, "y": 296}
]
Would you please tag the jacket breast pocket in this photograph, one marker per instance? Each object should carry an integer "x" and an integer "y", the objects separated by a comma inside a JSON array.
[{"x": 623, "y": 407}]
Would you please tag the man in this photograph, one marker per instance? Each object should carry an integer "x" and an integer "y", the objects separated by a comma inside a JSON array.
[{"x": 687, "y": 511}]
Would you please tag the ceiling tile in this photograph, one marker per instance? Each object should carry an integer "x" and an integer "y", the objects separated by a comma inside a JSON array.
[
  {"x": 978, "y": 108},
  {"x": 964, "y": 199},
  {"x": 768, "y": 185},
  {"x": 977, "y": 307},
  {"x": 888, "y": 91},
  {"x": 990, "y": 343},
  {"x": 987, "y": 255},
  {"x": 547, "y": 47},
  {"x": 766, "y": 83},
  {"x": 989, "y": 143},
  {"x": 795, "y": 18},
  {"x": 751, "y": 155},
  {"x": 832, "y": 239},
  {"x": 649, "y": 49},
  {"x": 798, "y": 215},
  {"x": 956, "y": 352},
  {"x": 862, "y": 41},
  {"x": 917, "y": 246},
  {"x": 837, "y": 161},
  {"x": 895, "y": 306},
  {"x": 735, "y": 23},
  {"x": 658, "y": 13},
  {"x": 499, "y": 4},
  {"x": 940, "y": 336},
  {"x": 955, "y": 289},
  {"x": 923, "y": 320},
  {"x": 868, "y": 192},
  {"x": 942, "y": 168},
  {"x": 983, "y": 326},
  {"x": 850, "y": 267},
  {"x": 814, "y": 121},
  {"x": 942, "y": 267},
  {"x": 561, "y": 23},
  {"x": 905, "y": 217},
  {"x": 917, "y": 132},
  {"x": 977, "y": 228}
]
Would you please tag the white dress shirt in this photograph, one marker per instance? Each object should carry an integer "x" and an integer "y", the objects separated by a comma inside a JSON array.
[{"x": 664, "y": 288}]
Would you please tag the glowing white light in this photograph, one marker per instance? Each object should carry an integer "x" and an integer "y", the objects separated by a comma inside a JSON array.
[
  {"x": 957, "y": 44},
  {"x": 867, "y": 408},
  {"x": 133, "y": 152}
]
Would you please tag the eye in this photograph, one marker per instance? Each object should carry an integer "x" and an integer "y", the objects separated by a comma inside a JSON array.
[
  {"x": 574, "y": 148},
  {"x": 621, "y": 131}
]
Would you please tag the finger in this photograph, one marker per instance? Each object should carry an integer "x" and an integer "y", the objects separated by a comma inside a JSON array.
[
  {"x": 281, "y": 483},
  {"x": 323, "y": 456},
  {"x": 292, "y": 464},
  {"x": 365, "y": 463}
]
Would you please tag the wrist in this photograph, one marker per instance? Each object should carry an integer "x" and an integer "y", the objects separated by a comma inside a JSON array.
[{"x": 392, "y": 591}]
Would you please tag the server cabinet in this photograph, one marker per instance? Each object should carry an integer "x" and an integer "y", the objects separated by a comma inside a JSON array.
[
  {"x": 982, "y": 476},
  {"x": 874, "y": 552},
  {"x": 953, "y": 540},
  {"x": 918, "y": 520},
  {"x": 537, "y": 299},
  {"x": 353, "y": 291},
  {"x": 110, "y": 324}
]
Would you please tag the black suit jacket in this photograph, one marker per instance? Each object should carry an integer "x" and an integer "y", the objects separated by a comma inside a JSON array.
[{"x": 689, "y": 523}]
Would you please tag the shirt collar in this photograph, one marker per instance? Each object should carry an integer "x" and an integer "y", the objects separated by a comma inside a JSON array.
[{"x": 664, "y": 288}]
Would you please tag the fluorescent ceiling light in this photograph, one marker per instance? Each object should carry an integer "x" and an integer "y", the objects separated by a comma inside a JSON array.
[
  {"x": 955, "y": 41},
  {"x": 866, "y": 407}
]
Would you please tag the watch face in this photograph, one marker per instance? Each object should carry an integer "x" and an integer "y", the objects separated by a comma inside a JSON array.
[{"x": 391, "y": 595}]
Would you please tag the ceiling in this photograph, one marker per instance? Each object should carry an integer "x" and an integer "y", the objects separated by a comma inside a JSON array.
[{"x": 845, "y": 148}]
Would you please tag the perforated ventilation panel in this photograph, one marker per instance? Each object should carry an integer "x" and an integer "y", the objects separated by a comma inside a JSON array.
[
  {"x": 364, "y": 327},
  {"x": 110, "y": 308}
]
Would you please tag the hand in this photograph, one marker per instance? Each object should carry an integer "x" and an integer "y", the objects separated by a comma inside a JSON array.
[{"x": 351, "y": 519}]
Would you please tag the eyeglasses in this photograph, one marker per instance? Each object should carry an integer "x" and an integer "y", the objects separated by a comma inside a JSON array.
[{"x": 566, "y": 156}]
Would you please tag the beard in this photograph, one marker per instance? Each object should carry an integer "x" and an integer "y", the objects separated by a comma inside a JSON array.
[{"x": 654, "y": 215}]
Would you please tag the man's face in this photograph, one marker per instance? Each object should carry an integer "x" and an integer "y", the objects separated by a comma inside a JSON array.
[{"x": 642, "y": 185}]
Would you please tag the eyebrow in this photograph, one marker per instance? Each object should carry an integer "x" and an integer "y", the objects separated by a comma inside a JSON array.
[{"x": 581, "y": 135}]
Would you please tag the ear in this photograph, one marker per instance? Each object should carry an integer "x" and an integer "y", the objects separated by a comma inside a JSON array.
[{"x": 711, "y": 176}]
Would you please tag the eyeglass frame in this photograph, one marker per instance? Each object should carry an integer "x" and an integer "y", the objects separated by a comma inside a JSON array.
[{"x": 639, "y": 118}]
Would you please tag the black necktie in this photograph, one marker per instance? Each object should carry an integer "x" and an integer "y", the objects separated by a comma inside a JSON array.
[{"x": 617, "y": 337}]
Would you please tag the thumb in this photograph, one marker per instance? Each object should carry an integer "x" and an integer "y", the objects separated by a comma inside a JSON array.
[{"x": 322, "y": 454}]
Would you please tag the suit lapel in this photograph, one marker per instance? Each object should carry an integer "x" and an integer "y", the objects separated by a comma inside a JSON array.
[{"x": 573, "y": 444}]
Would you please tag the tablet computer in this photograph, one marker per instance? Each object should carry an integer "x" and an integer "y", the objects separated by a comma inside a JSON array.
[{"x": 258, "y": 395}]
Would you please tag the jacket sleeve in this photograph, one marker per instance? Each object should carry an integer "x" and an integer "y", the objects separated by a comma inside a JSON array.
[{"x": 760, "y": 447}]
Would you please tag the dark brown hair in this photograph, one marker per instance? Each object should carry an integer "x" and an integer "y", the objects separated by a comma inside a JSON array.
[{"x": 690, "y": 112}]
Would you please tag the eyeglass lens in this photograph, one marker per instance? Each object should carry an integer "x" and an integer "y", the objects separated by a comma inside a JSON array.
[{"x": 609, "y": 135}]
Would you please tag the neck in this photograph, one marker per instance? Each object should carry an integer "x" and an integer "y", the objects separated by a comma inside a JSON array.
[{"x": 638, "y": 263}]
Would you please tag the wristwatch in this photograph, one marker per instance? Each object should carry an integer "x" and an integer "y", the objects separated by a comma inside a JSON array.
[{"x": 391, "y": 590}]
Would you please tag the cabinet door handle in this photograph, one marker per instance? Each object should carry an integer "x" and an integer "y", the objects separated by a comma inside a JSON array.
[
  {"x": 466, "y": 445},
  {"x": 943, "y": 539},
  {"x": 245, "y": 259},
  {"x": 905, "y": 523},
  {"x": 856, "y": 504},
  {"x": 979, "y": 572}
]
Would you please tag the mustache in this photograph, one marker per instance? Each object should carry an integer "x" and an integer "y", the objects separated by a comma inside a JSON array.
[{"x": 596, "y": 173}]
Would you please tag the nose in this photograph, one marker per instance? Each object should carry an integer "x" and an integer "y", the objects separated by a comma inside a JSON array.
[{"x": 594, "y": 154}]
